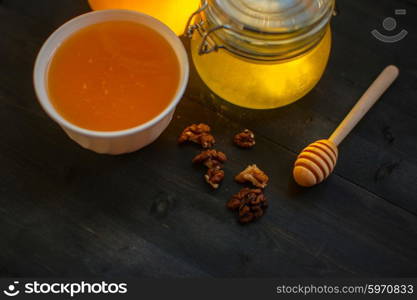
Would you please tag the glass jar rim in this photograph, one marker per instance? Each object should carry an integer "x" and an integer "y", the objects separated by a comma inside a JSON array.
[{"x": 221, "y": 30}]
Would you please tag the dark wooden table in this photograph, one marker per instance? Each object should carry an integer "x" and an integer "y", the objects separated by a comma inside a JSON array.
[{"x": 65, "y": 211}]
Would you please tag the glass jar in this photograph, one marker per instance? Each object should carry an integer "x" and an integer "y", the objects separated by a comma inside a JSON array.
[{"x": 261, "y": 54}]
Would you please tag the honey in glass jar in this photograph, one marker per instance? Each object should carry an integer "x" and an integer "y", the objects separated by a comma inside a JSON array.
[{"x": 261, "y": 54}]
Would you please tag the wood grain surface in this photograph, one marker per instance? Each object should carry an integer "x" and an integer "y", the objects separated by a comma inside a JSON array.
[{"x": 68, "y": 212}]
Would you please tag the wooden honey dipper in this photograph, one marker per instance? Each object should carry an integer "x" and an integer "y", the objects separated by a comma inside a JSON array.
[{"x": 317, "y": 161}]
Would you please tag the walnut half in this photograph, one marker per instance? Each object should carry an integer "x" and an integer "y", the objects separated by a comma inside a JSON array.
[
  {"x": 214, "y": 177},
  {"x": 250, "y": 204},
  {"x": 213, "y": 160},
  {"x": 253, "y": 175},
  {"x": 245, "y": 139},
  {"x": 199, "y": 134}
]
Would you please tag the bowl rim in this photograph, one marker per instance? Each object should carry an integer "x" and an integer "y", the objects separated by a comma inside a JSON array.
[{"x": 54, "y": 42}]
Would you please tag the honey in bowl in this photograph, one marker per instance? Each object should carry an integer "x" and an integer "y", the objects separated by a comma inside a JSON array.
[{"x": 113, "y": 76}]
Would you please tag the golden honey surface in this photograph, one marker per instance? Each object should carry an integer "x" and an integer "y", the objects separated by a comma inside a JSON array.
[
  {"x": 173, "y": 13},
  {"x": 102, "y": 78},
  {"x": 261, "y": 86}
]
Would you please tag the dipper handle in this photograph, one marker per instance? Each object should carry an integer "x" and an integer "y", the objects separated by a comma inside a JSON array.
[{"x": 371, "y": 96}]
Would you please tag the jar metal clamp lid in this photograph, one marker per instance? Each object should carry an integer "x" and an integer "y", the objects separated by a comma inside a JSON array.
[{"x": 261, "y": 30}]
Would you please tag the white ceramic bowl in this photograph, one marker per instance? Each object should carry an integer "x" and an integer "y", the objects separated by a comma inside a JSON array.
[{"x": 110, "y": 142}]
